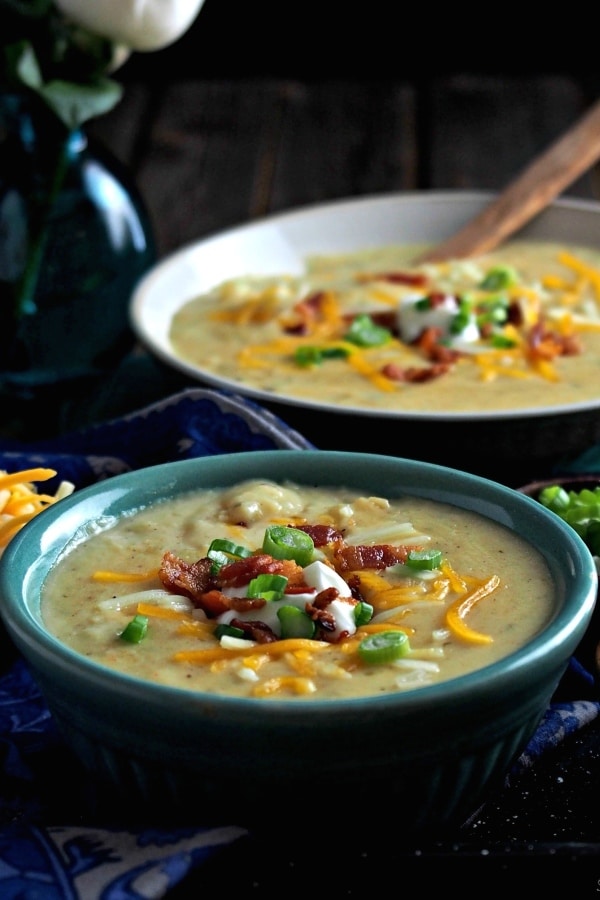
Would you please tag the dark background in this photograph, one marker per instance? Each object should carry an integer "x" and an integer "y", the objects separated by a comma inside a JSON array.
[{"x": 376, "y": 39}]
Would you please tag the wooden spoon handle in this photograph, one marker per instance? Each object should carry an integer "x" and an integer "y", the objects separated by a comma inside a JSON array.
[{"x": 538, "y": 184}]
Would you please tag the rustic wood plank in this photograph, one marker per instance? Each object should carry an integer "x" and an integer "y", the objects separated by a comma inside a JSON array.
[
  {"x": 484, "y": 129},
  {"x": 195, "y": 149},
  {"x": 210, "y": 155},
  {"x": 343, "y": 138},
  {"x": 204, "y": 158},
  {"x": 123, "y": 130}
]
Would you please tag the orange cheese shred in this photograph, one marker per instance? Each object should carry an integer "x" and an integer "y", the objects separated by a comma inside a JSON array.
[
  {"x": 161, "y": 612},
  {"x": 582, "y": 269},
  {"x": 108, "y": 575},
  {"x": 276, "y": 648},
  {"x": 296, "y": 684},
  {"x": 20, "y": 500},
  {"x": 459, "y": 609},
  {"x": 24, "y": 477}
]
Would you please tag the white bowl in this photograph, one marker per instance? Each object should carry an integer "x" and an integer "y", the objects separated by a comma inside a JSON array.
[{"x": 489, "y": 442}]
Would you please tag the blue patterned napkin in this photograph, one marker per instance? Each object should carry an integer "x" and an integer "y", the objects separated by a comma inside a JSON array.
[
  {"x": 194, "y": 422},
  {"x": 50, "y": 846}
]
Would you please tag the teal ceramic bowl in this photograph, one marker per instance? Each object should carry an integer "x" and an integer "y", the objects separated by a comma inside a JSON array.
[{"x": 430, "y": 756}]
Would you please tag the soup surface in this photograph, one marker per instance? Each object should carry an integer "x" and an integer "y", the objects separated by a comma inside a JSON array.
[
  {"x": 270, "y": 590},
  {"x": 515, "y": 329}
]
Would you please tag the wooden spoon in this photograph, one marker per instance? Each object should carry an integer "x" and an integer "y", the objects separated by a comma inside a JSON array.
[{"x": 537, "y": 185}]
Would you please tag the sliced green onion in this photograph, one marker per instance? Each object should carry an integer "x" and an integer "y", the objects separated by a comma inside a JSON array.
[
  {"x": 581, "y": 516},
  {"x": 592, "y": 537},
  {"x": 424, "y": 559},
  {"x": 555, "y": 498},
  {"x": 365, "y": 333},
  {"x": 229, "y": 547},
  {"x": 218, "y": 560},
  {"x": 295, "y": 623},
  {"x": 502, "y": 342},
  {"x": 383, "y": 647},
  {"x": 493, "y": 311},
  {"x": 135, "y": 631},
  {"x": 222, "y": 551},
  {"x": 223, "y": 630},
  {"x": 284, "y": 542},
  {"x": 363, "y": 613},
  {"x": 423, "y": 305},
  {"x": 499, "y": 278},
  {"x": 580, "y": 509},
  {"x": 460, "y": 322},
  {"x": 496, "y": 308},
  {"x": 314, "y": 356},
  {"x": 269, "y": 587}
]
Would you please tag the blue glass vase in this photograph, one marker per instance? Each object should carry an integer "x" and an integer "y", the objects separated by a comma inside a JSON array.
[{"x": 75, "y": 237}]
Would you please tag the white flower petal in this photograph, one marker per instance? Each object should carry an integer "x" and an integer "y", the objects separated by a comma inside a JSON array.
[{"x": 141, "y": 25}]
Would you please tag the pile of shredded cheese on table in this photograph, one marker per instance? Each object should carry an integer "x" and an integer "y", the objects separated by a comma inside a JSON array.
[{"x": 20, "y": 499}]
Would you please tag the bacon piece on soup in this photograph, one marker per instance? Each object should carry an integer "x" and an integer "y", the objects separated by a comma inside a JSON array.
[
  {"x": 353, "y": 582},
  {"x": 320, "y": 534},
  {"x": 387, "y": 320},
  {"x": 213, "y": 603},
  {"x": 414, "y": 279},
  {"x": 514, "y": 314},
  {"x": 324, "y": 598},
  {"x": 328, "y": 627},
  {"x": 415, "y": 374},
  {"x": 189, "y": 579},
  {"x": 547, "y": 344},
  {"x": 242, "y": 571},
  {"x": 318, "y": 307},
  {"x": 255, "y": 631},
  {"x": 325, "y": 620},
  {"x": 367, "y": 556},
  {"x": 429, "y": 344}
]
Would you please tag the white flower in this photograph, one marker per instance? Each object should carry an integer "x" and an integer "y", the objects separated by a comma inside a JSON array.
[{"x": 141, "y": 25}]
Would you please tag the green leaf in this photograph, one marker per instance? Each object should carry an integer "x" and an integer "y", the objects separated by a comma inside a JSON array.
[
  {"x": 29, "y": 8},
  {"x": 24, "y": 65},
  {"x": 73, "y": 102}
]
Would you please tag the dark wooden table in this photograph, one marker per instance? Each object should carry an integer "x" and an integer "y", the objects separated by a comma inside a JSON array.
[{"x": 210, "y": 153}]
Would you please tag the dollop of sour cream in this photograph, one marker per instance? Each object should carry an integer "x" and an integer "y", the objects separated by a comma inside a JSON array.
[
  {"x": 413, "y": 319},
  {"x": 318, "y": 576}
]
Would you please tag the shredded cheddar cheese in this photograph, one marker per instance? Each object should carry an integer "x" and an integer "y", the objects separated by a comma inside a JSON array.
[
  {"x": 360, "y": 363},
  {"x": 20, "y": 499},
  {"x": 276, "y": 648},
  {"x": 591, "y": 274},
  {"x": 297, "y": 684},
  {"x": 106, "y": 575},
  {"x": 457, "y": 611},
  {"x": 161, "y": 612}
]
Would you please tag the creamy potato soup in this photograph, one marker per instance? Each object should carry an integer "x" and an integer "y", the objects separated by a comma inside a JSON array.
[
  {"x": 516, "y": 328},
  {"x": 272, "y": 590}
]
